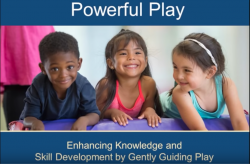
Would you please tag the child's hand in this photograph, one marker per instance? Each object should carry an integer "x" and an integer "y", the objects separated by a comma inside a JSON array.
[
  {"x": 120, "y": 117},
  {"x": 37, "y": 125},
  {"x": 151, "y": 117},
  {"x": 80, "y": 124}
]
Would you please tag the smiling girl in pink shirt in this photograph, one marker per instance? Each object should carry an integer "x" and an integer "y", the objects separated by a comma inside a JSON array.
[{"x": 128, "y": 91}]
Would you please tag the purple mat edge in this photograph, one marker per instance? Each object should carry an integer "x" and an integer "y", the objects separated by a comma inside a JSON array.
[{"x": 222, "y": 123}]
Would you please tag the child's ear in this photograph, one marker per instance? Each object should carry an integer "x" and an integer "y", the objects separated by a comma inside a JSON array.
[
  {"x": 79, "y": 64},
  {"x": 110, "y": 63},
  {"x": 42, "y": 68},
  {"x": 211, "y": 72}
]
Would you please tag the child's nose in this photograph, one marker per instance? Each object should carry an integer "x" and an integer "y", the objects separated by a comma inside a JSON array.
[
  {"x": 63, "y": 73},
  {"x": 131, "y": 56},
  {"x": 180, "y": 76}
]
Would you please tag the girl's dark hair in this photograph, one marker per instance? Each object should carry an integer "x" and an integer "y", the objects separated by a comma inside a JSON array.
[
  {"x": 191, "y": 50},
  {"x": 124, "y": 36}
]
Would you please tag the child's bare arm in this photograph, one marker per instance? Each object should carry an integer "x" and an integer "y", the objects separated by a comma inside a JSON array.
[
  {"x": 84, "y": 121},
  {"x": 234, "y": 106},
  {"x": 33, "y": 123},
  {"x": 102, "y": 94},
  {"x": 187, "y": 111},
  {"x": 148, "y": 111}
]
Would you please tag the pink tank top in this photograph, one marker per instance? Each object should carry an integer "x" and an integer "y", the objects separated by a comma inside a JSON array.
[{"x": 135, "y": 110}]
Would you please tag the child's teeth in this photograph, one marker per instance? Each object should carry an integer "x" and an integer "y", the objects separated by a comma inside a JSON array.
[{"x": 131, "y": 66}]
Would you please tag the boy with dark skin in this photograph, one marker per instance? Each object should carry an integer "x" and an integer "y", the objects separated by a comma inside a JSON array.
[{"x": 60, "y": 92}]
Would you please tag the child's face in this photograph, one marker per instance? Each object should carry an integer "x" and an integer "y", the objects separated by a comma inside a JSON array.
[
  {"x": 129, "y": 61},
  {"x": 187, "y": 74},
  {"x": 61, "y": 69}
]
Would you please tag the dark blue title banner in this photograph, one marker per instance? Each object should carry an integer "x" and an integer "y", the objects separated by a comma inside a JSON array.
[
  {"x": 124, "y": 12},
  {"x": 124, "y": 147}
]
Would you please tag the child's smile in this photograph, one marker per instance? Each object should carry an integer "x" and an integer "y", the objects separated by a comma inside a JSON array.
[
  {"x": 65, "y": 81},
  {"x": 182, "y": 83},
  {"x": 131, "y": 66}
]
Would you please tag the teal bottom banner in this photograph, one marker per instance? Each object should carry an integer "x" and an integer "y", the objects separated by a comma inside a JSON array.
[{"x": 125, "y": 147}]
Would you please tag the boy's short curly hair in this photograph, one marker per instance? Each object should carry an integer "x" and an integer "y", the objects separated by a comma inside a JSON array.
[{"x": 57, "y": 42}]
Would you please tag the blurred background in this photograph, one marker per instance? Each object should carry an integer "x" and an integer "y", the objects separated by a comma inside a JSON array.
[{"x": 160, "y": 41}]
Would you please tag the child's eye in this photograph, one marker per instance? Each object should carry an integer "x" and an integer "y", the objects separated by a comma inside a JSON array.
[
  {"x": 54, "y": 69},
  {"x": 137, "y": 53},
  {"x": 186, "y": 70},
  {"x": 174, "y": 67},
  {"x": 123, "y": 53},
  {"x": 70, "y": 67}
]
